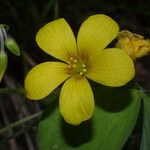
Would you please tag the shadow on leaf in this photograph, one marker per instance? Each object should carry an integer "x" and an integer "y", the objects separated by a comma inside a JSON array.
[
  {"x": 112, "y": 99},
  {"x": 76, "y": 135}
]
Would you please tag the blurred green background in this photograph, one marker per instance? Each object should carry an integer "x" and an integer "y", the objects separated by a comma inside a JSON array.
[{"x": 24, "y": 18}]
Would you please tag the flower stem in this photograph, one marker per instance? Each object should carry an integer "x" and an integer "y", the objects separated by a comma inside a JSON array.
[
  {"x": 56, "y": 9},
  {"x": 9, "y": 91},
  {"x": 19, "y": 122},
  {"x": 19, "y": 132},
  {"x": 2, "y": 44},
  {"x": 4, "y": 33}
]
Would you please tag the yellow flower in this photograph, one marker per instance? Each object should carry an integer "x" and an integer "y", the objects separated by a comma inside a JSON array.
[
  {"x": 80, "y": 60},
  {"x": 133, "y": 44}
]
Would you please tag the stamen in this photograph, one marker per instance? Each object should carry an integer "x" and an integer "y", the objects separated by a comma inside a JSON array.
[
  {"x": 84, "y": 70},
  {"x": 75, "y": 60},
  {"x": 83, "y": 65},
  {"x": 74, "y": 65},
  {"x": 81, "y": 73},
  {"x": 70, "y": 66},
  {"x": 71, "y": 58}
]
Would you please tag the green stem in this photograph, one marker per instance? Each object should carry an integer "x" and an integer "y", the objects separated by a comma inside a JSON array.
[
  {"x": 17, "y": 123},
  {"x": 48, "y": 7},
  {"x": 9, "y": 91},
  {"x": 4, "y": 33},
  {"x": 56, "y": 9},
  {"x": 2, "y": 43},
  {"x": 141, "y": 90},
  {"x": 19, "y": 132}
]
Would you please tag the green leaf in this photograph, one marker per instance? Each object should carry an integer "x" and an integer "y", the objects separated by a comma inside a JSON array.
[
  {"x": 145, "y": 144},
  {"x": 115, "y": 115}
]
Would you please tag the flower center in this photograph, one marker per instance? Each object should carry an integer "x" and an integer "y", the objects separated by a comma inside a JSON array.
[{"x": 76, "y": 66}]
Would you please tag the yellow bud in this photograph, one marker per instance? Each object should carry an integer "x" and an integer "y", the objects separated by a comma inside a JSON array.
[
  {"x": 133, "y": 44},
  {"x": 12, "y": 46},
  {"x": 3, "y": 63}
]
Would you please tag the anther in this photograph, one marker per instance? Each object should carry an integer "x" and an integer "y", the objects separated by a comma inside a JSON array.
[
  {"x": 75, "y": 60},
  {"x": 70, "y": 66},
  {"x": 84, "y": 70},
  {"x": 71, "y": 58},
  {"x": 74, "y": 65},
  {"x": 83, "y": 65},
  {"x": 80, "y": 73}
]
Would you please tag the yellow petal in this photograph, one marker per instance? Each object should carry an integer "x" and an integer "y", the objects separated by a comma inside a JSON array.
[
  {"x": 76, "y": 100},
  {"x": 96, "y": 33},
  {"x": 56, "y": 38},
  {"x": 44, "y": 78},
  {"x": 112, "y": 67}
]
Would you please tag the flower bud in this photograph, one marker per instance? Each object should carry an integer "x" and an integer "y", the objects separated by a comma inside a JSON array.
[
  {"x": 133, "y": 44},
  {"x": 3, "y": 63},
  {"x": 4, "y": 26},
  {"x": 12, "y": 46}
]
